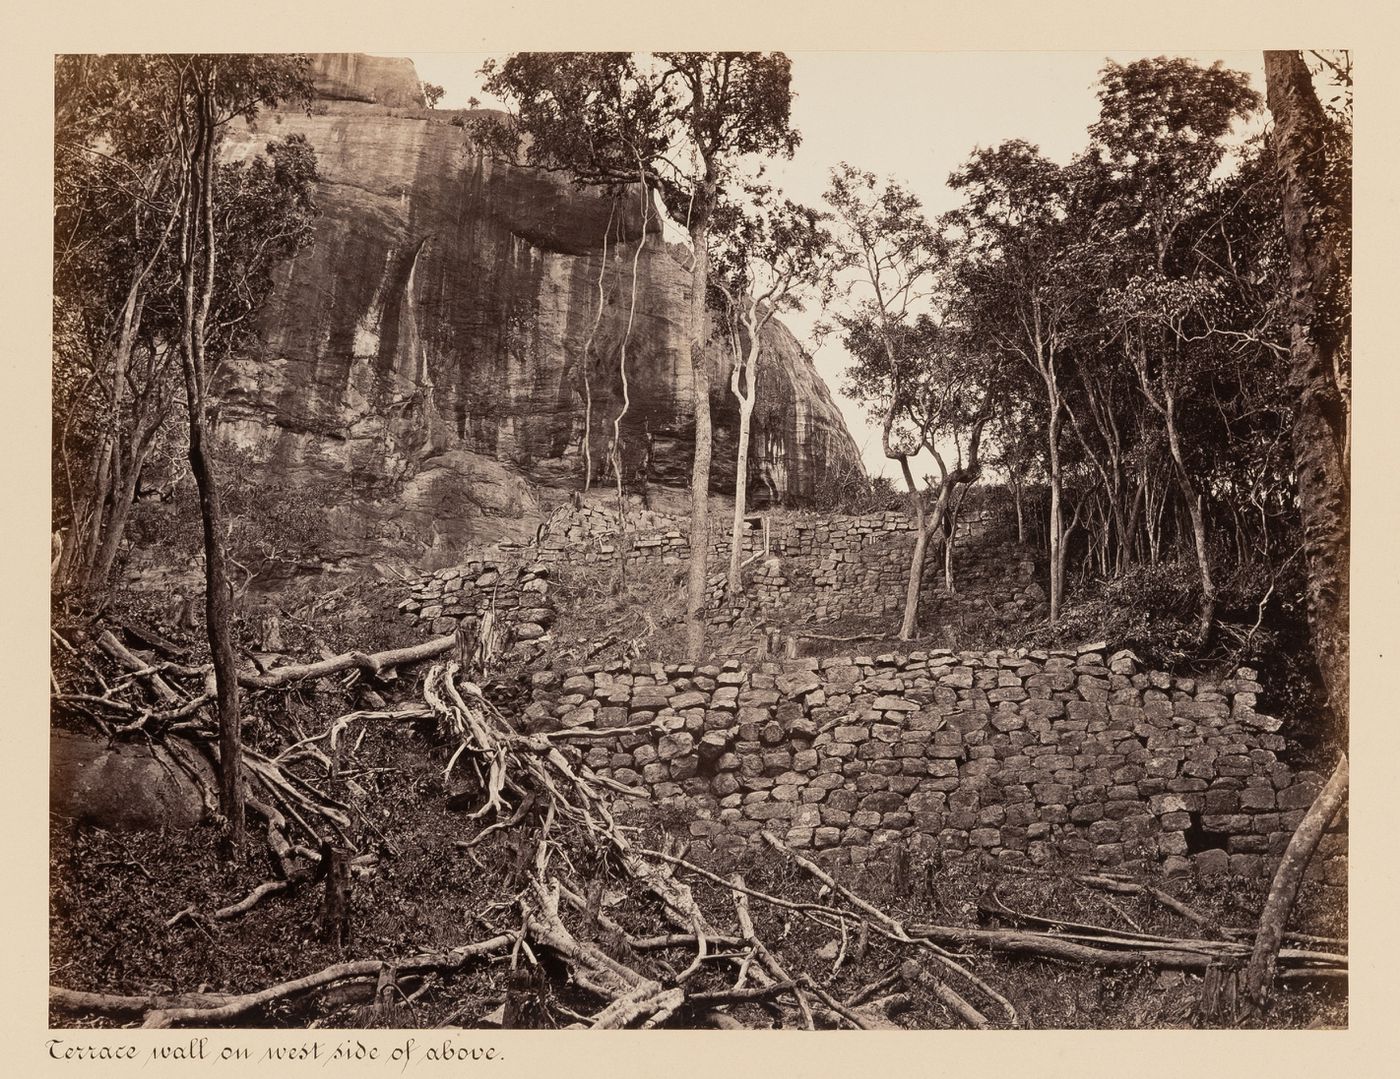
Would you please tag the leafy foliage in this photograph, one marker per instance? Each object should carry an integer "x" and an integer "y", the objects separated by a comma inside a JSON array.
[
  {"x": 119, "y": 190},
  {"x": 674, "y": 121}
]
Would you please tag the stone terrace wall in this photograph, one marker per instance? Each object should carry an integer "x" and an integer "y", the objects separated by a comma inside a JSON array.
[
  {"x": 825, "y": 567},
  {"x": 1027, "y": 757},
  {"x": 519, "y": 592},
  {"x": 857, "y": 567}
]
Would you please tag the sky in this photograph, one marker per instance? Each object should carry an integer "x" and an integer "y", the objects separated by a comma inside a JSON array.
[{"x": 913, "y": 116}]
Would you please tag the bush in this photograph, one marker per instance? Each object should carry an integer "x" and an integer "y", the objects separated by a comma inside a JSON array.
[
  {"x": 1150, "y": 609},
  {"x": 852, "y": 492},
  {"x": 273, "y": 526}
]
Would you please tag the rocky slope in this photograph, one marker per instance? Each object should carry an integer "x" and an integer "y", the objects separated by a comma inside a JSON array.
[{"x": 430, "y": 349}]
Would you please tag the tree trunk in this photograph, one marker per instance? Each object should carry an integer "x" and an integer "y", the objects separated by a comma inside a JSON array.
[
  {"x": 741, "y": 479},
  {"x": 741, "y": 384},
  {"x": 700, "y": 472},
  {"x": 335, "y": 905},
  {"x": 950, "y": 539},
  {"x": 931, "y": 523},
  {"x": 1195, "y": 508},
  {"x": 1259, "y": 977},
  {"x": 1020, "y": 517},
  {"x": 127, "y": 478},
  {"x": 1057, "y": 567},
  {"x": 1318, "y": 345},
  {"x": 197, "y": 274},
  {"x": 909, "y": 621},
  {"x": 586, "y": 364}
]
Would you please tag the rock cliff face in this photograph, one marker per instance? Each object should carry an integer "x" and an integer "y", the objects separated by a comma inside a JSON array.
[{"x": 437, "y": 346}]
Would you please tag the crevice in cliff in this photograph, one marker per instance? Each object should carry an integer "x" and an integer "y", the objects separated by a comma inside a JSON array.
[
  {"x": 615, "y": 450},
  {"x": 587, "y": 360}
]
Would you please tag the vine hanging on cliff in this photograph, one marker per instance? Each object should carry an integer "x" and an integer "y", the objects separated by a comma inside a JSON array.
[
  {"x": 586, "y": 363},
  {"x": 615, "y": 451}
]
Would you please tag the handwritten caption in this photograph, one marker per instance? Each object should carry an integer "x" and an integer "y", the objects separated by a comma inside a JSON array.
[{"x": 403, "y": 1051}]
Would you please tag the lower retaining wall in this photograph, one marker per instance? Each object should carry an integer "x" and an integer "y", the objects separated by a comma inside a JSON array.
[{"x": 1025, "y": 757}]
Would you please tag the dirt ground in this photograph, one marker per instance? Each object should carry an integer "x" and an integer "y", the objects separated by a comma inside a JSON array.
[{"x": 114, "y": 897}]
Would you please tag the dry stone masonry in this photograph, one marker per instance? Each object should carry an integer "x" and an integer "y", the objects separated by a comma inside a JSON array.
[
  {"x": 823, "y": 568},
  {"x": 1026, "y": 757},
  {"x": 520, "y": 595}
]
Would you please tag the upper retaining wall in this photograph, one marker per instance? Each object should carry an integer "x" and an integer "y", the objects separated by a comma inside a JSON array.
[
  {"x": 518, "y": 592},
  {"x": 825, "y": 568},
  {"x": 816, "y": 570},
  {"x": 1028, "y": 757}
]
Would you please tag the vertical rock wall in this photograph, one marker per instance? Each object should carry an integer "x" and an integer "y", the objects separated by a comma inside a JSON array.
[{"x": 442, "y": 344}]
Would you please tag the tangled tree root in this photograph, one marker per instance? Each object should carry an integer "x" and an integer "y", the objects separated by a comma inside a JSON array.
[{"x": 538, "y": 785}]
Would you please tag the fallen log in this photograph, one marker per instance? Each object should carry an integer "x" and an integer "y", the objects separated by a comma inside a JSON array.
[
  {"x": 737, "y": 996},
  {"x": 1189, "y": 956},
  {"x": 208, "y": 1009},
  {"x": 1123, "y": 885},
  {"x": 375, "y": 665},
  {"x": 914, "y": 973}
]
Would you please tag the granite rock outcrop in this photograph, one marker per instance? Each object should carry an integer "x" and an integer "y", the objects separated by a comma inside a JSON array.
[{"x": 438, "y": 345}]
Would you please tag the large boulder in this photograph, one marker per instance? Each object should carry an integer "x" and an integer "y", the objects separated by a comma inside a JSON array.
[{"x": 123, "y": 785}]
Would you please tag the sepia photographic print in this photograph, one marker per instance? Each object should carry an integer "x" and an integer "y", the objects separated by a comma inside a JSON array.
[{"x": 621, "y": 540}]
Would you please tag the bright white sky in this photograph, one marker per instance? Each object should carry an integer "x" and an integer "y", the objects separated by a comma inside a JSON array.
[{"x": 913, "y": 116}]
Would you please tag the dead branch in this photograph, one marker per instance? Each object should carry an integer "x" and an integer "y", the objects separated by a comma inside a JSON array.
[
  {"x": 737, "y": 996},
  {"x": 109, "y": 644},
  {"x": 252, "y": 899},
  {"x": 861, "y": 1020},
  {"x": 893, "y": 929},
  {"x": 378, "y": 665},
  {"x": 915, "y": 974},
  {"x": 207, "y": 1009},
  {"x": 1128, "y": 887},
  {"x": 631, "y": 995},
  {"x": 1283, "y": 891},
  {"x": 991, "y": 904},
  {"x": 1124, "y": 885},
  {"x": 810, "y": 909}
]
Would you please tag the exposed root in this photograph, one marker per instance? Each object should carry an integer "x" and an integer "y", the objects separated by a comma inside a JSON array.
[
  {"x": 712, "y": 968},
  {"x": 210, "y": 1009}
]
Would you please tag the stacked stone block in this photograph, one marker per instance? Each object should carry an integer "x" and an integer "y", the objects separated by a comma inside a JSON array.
[
  {"x": 1026, "y": 757},
  {"x": 440, "y": 601}
]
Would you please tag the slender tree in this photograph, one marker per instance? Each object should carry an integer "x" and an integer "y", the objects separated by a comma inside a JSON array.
[
  {"x": 769, "y": 254},
  {"x": 684, "y": 122},
  {"x": 213, "y": 91},
  {"x": 890, "y": 328}
]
